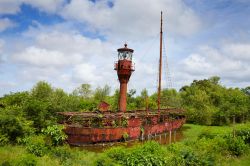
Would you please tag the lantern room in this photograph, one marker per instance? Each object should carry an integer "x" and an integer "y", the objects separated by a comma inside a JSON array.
[{"x": 125, "y": 53}]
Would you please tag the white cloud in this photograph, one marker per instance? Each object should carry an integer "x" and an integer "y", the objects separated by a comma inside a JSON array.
[
  {"x": 6, "y": 23},
  {"x": 72, "y": 43},
  {"x": 13, "y": 6},
  {"x": 94, "y": 13},
  {"x": 9, "y": 6},
  {"x": 35, "y": 74},
  {"x": 86, "y": 73},
  {"x": 63, "y": 57},
  {"x": 42, "y": 58},
  {"x": 1, "y": 49},
  {"x": 239, "y": 51},
  {"x": 50, "y": 6},
  {"x": 230, "y": 62},
  {"x": 195, "y": 62},
  {"x": 129, "y": 19},
  {"x": 7, "y": 84},
  {"x": 1, "y": 45},
  {"x": 60, "y": 47}
]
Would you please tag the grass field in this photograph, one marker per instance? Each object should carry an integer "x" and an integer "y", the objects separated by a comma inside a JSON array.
[
  {"x": 191, "y": 132},
  {"x": 18, "y": 155}
]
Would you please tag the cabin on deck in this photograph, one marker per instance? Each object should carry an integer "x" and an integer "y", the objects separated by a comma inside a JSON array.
[{"x": 103, "y": 106}]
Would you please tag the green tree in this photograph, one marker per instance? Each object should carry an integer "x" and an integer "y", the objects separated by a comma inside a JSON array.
[
  {"x": 83, "y": 91},
  {"x": 42, "y": 90},
  {"x": 13, "y": 125},
  {"x": 38, "y": 112},
  {"x": 17, "y": 99},
  {"x": 237, "y": 103},
  {"x": 114, "y": 100},
  {"x": 214, "y": 80},
  {"x": 131, "y": 100},
  {"x": 143, "y": 99},
  {"x": 101, "y": 93},
  {"x": 208, "y": 102},
  {"x": 62, "y": 102},
  {"x": 170, "y": 98}
]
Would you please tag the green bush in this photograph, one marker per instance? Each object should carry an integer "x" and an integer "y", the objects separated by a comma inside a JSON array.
[
  {"x": 236, "y": 146},
  {"x": 13, "y": 125},
  {"x": 27, "y": 160},
  {"x": 6, "y": 163},
  {"x": 151, "y": 153},
  {"x": 36, "y": 145},
  {"x": 198, "y": 152},
  {"x": 206, "y": 134},
  {"x": 55, "y": 134},
  {"x": 244, "y": 133},
  {"x": 63, "y": 153},
  {"x": 4, "y": 139},
  {"x": 37, "y": 149},
  {"x": 103, "y": 160},
  {"x": 125, "y": 136},
  {"x": 117, "y": 153}
]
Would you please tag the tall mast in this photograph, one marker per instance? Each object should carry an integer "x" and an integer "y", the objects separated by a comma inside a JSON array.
[{"x": 160, "y": 68}]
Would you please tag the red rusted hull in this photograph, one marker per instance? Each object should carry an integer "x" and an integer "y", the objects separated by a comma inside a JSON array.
[{"x": 86, "y": 135}]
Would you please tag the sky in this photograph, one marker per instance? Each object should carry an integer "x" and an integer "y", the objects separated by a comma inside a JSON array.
[{"x": 71, "y": 42}]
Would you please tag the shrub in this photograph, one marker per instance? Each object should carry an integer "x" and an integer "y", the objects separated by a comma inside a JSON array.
[
  {"x": 244, "y": 133},
  {"x": 37, "y": 149},
  {"x": 151, "y": 153},
  {"x": 124, "y": 122},
  {"x": 4, "y": 139},
  {"x": 27, "y": 160},
  {"x": 117, "y": 153},
  {"x": 55, "y": 134},
  {"x": 36, "y": 145},
  {"x": 63, "y": 154},
  {"x": 236, "y": 146},
  {"x": 13, "y": 125},
  {"x": 103, "y": 160},
  {"x": 197, "y": 152},
  {"x": 206, "y": 134},
  {"x": 125, "y": 136}
]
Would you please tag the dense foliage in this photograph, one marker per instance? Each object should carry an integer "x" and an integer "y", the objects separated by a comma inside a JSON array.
[
  {"x": 209, "y": 103},
  {"x": 28, "y": 122},
  {"x": 210, "y": 147},
  {"x": 206, "y": 102}
]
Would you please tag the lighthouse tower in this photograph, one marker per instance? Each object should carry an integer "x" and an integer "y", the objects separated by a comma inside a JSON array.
[{"x": 124, "y": 68}]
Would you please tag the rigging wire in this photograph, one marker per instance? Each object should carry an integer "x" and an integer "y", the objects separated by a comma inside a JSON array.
[
  {"x": 145, "y": 54},
  {"x": 167, "y": 73}
]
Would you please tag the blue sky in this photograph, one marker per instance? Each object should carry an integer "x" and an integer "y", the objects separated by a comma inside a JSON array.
[{"x": 70, "y": 42}]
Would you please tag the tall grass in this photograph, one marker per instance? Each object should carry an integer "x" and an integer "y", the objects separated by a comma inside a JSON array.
[{"x": 192, "y": 131}]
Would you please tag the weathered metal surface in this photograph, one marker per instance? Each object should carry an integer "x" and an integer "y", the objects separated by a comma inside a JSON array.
[
  {"x": 125, "y": 49},
  {"x": 91, "y": 128},
  {"x": 124, "y": 68},
  {"x": 103, "y": 106},
  {"x": 78, "y": 135}
]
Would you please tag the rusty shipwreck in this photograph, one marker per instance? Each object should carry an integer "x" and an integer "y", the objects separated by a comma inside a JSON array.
[{"x": 106, "y": 126}]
